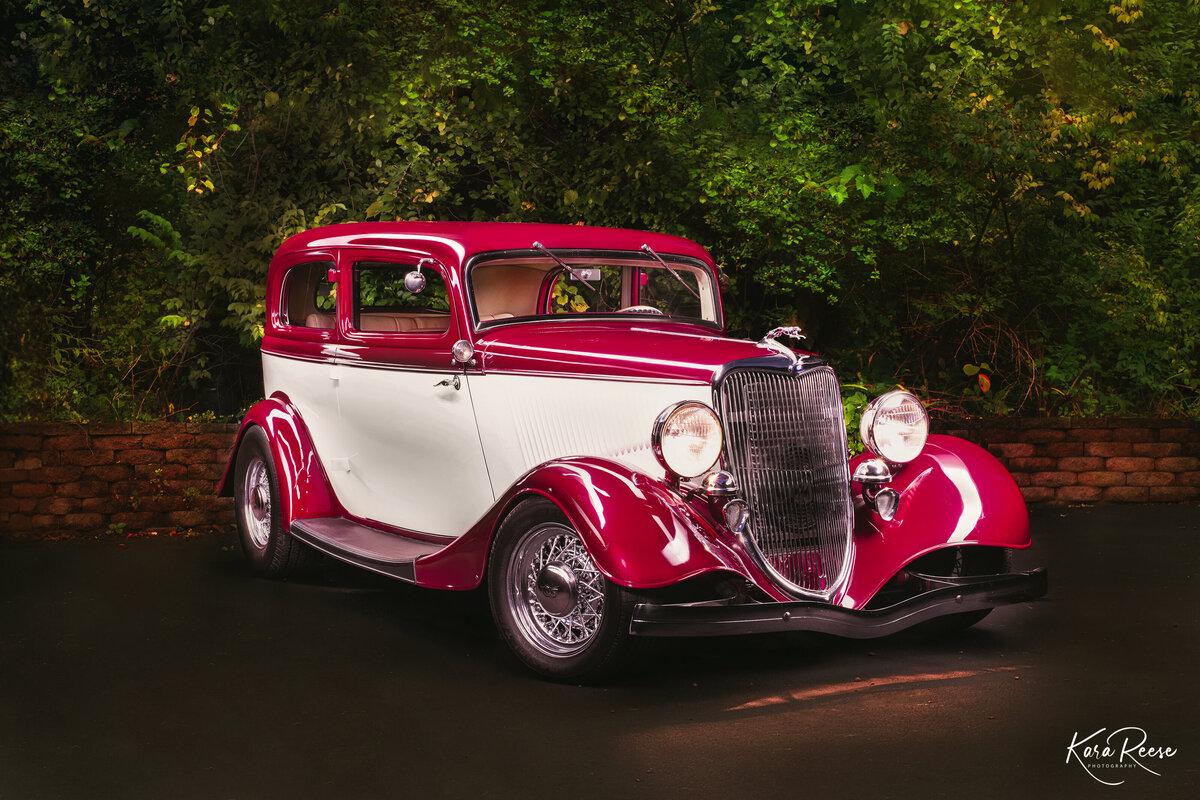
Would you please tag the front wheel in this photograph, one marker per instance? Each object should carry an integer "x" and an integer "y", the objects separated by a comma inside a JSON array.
[{"x": 557, "y": 612}]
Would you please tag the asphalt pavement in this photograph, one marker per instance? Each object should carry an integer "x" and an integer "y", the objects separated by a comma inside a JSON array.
[{"x": 162, "y": 668}]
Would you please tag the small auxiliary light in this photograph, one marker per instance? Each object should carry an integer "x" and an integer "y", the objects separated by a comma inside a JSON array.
[
  {"x": 737, "y": 515},
  {"x": 886, "y": 502}
]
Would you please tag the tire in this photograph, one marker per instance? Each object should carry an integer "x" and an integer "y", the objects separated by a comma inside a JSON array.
[
  {"x": 973, "y": 561},
  {"x": 270, "y": 549},
  {"x": 953, "y": 623},
  {"x": 557, "y": 612}
]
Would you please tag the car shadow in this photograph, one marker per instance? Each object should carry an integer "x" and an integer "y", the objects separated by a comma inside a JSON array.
[{"x": 447, "y": 624}]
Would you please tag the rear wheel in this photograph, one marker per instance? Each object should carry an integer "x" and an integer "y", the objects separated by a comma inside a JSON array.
[
  {"x": 556, "y": 611},
  {"x": 268, "y": 547}
]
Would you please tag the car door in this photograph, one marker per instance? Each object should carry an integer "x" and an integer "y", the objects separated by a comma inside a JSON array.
[{"x": 410, "y": 454}]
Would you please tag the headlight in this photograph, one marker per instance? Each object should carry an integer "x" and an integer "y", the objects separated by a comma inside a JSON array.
[
  {"x": 687, "y": 439},
  {"x": 895, "y": 426}
]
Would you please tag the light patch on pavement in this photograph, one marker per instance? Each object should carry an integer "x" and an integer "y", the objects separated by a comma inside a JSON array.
[{"x": 819, "y": 692}]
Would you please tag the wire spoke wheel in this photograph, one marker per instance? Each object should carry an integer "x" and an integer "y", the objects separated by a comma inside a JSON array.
[
  {"x": 556, "y": 610},
  {"x": 555, "y": 593}
]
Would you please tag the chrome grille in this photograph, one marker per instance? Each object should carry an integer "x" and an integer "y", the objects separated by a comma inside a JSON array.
[{"x": 785, "y": 441}]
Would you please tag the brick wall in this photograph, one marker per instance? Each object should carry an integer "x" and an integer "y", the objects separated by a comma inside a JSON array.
[
  {"x": 1093, "y": 461},
  {"x": 62, "y": 479}
]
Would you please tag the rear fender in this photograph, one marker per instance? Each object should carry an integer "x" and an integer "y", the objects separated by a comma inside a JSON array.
[
  {"x": 304, "y": 489},
  {"x": 640, "y": 533},
  {"x": 954, "y": 493}
]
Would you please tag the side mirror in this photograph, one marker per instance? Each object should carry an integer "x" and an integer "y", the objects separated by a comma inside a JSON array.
[
  {"x": 414, "y": 281},
  {"x": 332, "y": 275}
]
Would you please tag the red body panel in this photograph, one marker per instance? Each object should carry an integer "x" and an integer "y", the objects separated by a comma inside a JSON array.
[
  {"x": 456, "y": 241},
  {"x": 639, "y": 532},
  {"x": 303, "y": 487},
  {"x": 644, "y": 350},
  {"x": 954, "y": 493}
]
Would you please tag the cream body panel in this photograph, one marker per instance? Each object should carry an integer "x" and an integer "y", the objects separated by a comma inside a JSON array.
[
  {"x": 410, "y": 452},
  {"x": 527, "y": 420},
  {"x": 311, "y": 387}
]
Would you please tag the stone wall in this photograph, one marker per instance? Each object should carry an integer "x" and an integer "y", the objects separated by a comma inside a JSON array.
[
  {"x": 63, "y": 480},
  {"x": 1093, "y": 460}
]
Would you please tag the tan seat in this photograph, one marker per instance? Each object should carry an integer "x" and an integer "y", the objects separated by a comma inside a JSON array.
[
  {"x": 431, "y": 322},
  {"x": 318, "y": 320},
  {"x": 507, "y": 290},
  {"x": 390, "y": 322},
  {"x": 384, "y": 323}
]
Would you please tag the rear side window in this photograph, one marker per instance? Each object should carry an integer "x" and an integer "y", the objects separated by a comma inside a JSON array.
[
  {"x": 309, "y": 299},
  {"x": 383, "y": 303}
]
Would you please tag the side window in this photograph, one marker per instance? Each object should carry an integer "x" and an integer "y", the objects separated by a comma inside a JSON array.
[
  {"x": 383, "y": 303},
  {"x": 309, "y": 300}
]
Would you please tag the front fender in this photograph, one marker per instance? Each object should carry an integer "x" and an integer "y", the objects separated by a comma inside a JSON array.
[
  {"x": 304, "y": 489},
  {"x": 954, "y": 493},
  {"x": 639, "y": 531}
]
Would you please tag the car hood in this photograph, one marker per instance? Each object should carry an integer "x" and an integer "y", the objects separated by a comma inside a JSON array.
[{"x": 651, "y": 351}]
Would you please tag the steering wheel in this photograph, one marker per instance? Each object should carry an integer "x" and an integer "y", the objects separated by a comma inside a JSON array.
[{"x": 639, "y": 310}]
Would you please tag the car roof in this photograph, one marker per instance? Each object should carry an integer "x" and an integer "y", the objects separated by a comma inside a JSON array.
[{"x": 468, "y": 238}]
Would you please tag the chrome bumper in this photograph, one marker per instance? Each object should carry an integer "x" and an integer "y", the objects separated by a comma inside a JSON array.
[{"x": 953, "y": 596}]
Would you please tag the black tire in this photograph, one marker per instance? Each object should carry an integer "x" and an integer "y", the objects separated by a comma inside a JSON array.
[
  {"x": 953, "y": 623},
  {"x": 556, "y": 611},
  {"x": 270, "y": 549},
  {"x": 969, "y": 561}
]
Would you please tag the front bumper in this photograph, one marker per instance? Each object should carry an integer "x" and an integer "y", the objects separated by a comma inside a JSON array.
[{"x": 952, "y": 596}]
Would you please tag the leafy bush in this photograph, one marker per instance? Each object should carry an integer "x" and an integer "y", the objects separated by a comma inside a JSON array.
[{"x": 995, "y": 204}]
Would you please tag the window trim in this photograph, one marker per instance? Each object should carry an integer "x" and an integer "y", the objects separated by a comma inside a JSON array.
[
  {"x": 349, "y": 306},
  {"x": 480, "y": 259}
]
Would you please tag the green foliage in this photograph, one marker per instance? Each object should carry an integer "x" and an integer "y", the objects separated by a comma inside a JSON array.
[{"x": 936, "y": 190}]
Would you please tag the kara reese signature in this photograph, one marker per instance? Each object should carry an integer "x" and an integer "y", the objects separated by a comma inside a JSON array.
[{"x": 1124, "y": 748}]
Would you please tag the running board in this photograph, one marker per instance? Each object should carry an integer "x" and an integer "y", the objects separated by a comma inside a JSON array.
[{"x": 385, "y": 553}]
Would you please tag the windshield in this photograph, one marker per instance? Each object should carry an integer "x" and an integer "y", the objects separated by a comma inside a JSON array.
[{"x": 567, "y": 284}]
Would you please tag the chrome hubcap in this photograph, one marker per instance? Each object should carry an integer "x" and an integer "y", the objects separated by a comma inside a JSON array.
[
  {"x": 557, "y": 589},
  {"x": 256, "y": 504},
  {"x": 555, "y": 592}
]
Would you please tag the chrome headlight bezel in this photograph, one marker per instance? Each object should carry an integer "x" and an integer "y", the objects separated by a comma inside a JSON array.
[
  {"x": 895, "y": 427},
  {"x": 668, "y": 429}
]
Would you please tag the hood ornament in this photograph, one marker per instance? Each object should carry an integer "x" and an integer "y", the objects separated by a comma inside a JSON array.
[{"x": 792, "y": 331}]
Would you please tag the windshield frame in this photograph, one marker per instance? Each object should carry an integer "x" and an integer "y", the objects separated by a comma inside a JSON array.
[{"x": 596, "y": 256}]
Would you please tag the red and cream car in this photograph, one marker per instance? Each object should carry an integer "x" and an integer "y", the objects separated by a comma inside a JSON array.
[{"x": 554, "y": 411}]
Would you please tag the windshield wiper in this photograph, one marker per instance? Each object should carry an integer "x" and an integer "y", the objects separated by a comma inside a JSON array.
[
  {"x": 648, "y": 249},
  {"x": 564, "y": 265}
]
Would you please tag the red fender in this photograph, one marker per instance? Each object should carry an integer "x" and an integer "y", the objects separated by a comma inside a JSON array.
[
  {"x": 954, "y": 493},
  {"x": 304, "y": 489},
  {"x": 639, "y": 532}
]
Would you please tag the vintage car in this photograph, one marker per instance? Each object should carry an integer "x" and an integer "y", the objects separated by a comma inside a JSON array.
[{"x": 554, "y": 411}]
